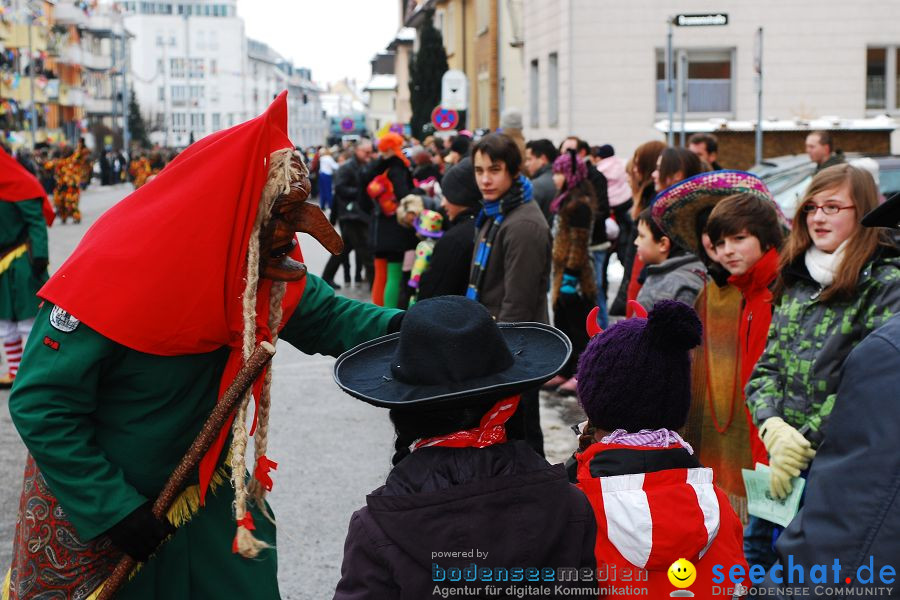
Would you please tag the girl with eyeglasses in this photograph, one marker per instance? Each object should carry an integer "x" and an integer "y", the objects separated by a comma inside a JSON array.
[{"x": 838, "y": 281}]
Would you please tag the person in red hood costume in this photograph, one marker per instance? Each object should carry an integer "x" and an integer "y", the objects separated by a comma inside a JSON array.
[
  {"x": 654, "y": 502},
  {"x": 141, "y": 331},
  {"x": 25, "y": 214}
]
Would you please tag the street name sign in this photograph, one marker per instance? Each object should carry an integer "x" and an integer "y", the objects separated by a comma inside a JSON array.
[{"x": 704, "y": 20}]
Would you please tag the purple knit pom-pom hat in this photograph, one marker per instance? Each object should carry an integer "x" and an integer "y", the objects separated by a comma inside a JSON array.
[{"x": 637, "y": 374}]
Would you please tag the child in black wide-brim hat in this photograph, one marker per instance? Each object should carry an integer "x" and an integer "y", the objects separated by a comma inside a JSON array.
[{"x": 460, "y": 499}]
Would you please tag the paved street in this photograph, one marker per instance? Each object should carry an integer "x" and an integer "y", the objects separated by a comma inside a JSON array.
[{"x": 331, "y": 449}]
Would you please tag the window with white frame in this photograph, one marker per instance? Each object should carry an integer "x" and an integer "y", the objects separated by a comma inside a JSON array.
[
  {"x": 708, "y": 81},
  {"x": 482, "y": 15},
  {"x": 553, "y": 90},
  {"x": 198, "y": 122},
  {"x": 449, "y": 31},
  {"x": 179, "y": 122},
  {"x": 883, "y": 78},
  {"x": 484, "y": 100},
  {"x": 216, "y": 121},
  {"x": 534, "y": 90},
  {"x": 177, "y": 68}
]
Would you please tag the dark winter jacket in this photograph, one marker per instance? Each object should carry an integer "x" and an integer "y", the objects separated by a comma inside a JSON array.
[
  {"x": 518, "y": 272},
  {"x": 388, "y": 236},
  {"x": 448, "y": 273},
  {"x": 834, "y": 159},
  {"x": 503, "y": 502},
  {"x": 851, "y": 508},
  {"x": 797, "y": 376},
  {"x": 601, "y": 212},
  {"x": 544, "y": 190},
  {"x": 351, "y": 203}
]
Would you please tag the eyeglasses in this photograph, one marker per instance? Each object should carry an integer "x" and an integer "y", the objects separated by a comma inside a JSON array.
[{"x": 828, "y": 209}]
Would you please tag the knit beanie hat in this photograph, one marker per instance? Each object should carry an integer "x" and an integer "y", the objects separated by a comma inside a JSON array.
[
  {"x": 637, "y": 374},
  {"x": 459, "y": 186},
  {"x": 605, "y": 151},
  {"x": 460, "y": 145},
  {"x": 511, "y": 119}
]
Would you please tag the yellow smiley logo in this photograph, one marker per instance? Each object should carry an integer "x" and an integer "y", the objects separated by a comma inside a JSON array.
[{"x": 682, "y": 573}]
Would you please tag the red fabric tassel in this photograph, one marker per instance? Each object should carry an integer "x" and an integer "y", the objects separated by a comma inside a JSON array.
[
  {"x": 247, "y": 522},
  {"x": 261, "y": 473}
]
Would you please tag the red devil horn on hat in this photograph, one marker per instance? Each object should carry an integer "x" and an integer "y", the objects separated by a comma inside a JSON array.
[
  {"x": 638, "y": 311},
  {"x": 591, "y": 324}
]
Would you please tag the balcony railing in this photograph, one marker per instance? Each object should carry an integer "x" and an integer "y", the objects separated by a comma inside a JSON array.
[
  {"x": 66, "y": 13},
  {"x": 102, "y": 106},
  {"x": 71, "y": 55},
  {"x": 96, "y": 62}
]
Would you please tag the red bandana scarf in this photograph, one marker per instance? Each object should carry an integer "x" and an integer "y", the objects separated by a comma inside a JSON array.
[{"x": 491, "y": 430}]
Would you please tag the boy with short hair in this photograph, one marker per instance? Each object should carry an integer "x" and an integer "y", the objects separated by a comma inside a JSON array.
[
  {"x": 746, "y": 232},
  {"x": 670, "y": 272}
]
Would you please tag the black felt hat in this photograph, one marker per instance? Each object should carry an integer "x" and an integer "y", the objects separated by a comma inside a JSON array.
[
  {"x": 449, "y": 351},
  {"x": 886, "y": 215}
]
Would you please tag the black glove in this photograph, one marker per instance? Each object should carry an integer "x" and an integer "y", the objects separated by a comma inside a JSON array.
[
  {"x": 39, "y": 266},
  {"x": 140, "y": 533}
]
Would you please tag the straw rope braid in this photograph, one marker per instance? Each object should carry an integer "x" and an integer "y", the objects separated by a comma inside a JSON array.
[
  {"x": 277, "y": 183},
  {"x": 261, "y": 439}
]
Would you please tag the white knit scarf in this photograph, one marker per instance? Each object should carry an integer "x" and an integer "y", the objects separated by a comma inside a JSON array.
[{"x": 822, "y": 266}]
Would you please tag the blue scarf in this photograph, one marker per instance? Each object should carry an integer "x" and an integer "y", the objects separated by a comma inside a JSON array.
[{"x": 520, "y": 193}]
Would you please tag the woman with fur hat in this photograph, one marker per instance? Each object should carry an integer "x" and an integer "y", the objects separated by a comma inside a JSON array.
[
  {"x": 451, "y": 378},
  {"x": 573, "y": 288},
  {"x": 654, "y": 502}
]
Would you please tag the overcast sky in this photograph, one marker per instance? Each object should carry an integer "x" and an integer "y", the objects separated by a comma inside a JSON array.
[{"x": 335, "y": 38}]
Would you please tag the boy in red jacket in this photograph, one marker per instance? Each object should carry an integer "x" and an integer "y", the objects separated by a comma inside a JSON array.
[
  {"x": 660, "y": 518},
  {"x": 746, "y": 233}
]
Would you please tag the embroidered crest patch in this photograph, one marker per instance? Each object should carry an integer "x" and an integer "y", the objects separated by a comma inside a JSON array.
[{"x": 62, "y": 320}]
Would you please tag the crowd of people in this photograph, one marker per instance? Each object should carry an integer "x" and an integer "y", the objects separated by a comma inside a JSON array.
[
  {"x": 736, "y": 337},
  {"x": 782, "y": 302}
]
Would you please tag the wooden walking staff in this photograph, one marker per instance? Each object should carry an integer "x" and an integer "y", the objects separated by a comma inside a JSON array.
[{"x": 244, "y": 379}]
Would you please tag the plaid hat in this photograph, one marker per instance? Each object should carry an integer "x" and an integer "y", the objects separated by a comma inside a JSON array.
[
  {"x": 637, "y": 374},
  {"x": 430, "y": 224},
  {"x": 677, "y": 207}
]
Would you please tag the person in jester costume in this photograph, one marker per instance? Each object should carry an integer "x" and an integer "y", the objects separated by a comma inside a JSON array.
[
  {"x": 25, "y": 214},
  {"x": 141, "y": 331}
]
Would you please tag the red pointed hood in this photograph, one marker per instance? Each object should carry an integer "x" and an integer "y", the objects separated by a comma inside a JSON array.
[
  {"x": 163, "y": 271},
  {"x": 17, "y": 184}
]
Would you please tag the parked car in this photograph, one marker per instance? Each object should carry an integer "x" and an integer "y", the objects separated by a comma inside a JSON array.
[{"x": 788, "y": 176}]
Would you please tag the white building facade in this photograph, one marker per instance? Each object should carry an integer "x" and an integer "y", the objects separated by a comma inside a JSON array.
[
  {"x": 195, "y": 72},
  {"x": 188, "y": 61},
  {"x": 597, "y": 69}
]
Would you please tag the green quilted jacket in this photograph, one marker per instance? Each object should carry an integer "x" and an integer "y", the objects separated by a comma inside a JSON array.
[{"x": 797, "y": 376}]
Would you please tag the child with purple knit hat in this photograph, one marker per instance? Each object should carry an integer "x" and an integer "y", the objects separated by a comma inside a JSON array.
[{"x": 654, "y": 503}]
